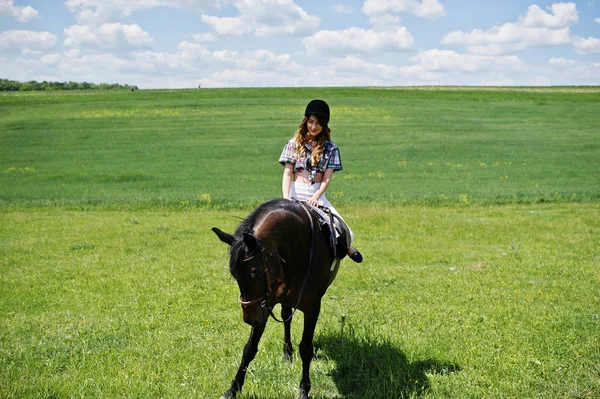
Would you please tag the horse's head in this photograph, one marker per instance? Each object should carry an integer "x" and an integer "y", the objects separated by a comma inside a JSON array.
[{"x": 253, "y": 269}]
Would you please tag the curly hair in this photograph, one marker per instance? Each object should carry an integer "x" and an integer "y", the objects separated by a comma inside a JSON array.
[{"x": 302, "y": 137}]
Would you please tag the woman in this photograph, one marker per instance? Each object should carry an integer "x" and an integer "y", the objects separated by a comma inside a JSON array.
[{"x": 310, "y": 158}]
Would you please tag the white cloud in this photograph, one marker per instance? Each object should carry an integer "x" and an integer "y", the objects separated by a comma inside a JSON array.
[
  {"x": 50, "y": 59},
  {"x": 187, "y": 50},
  {"x": 248, "y": 78},
  {"x": 97, "y": 12},
  {"x": 428, "y": 67},
  {"x": 536, "y": 28},
  {"x": 442, "y": 67},
  {"x": 204, "y": 37},
  {"x": 597, "y": 20},
  {"x": 99, "y": 68},
  {"x": 355, "y": 70},
  {"x": 21, "y": 14},
  {"x": 110, "y": 36},
  {"x": 424, "y": 8},
  {"x": 447, "y": 60},
  {"x": 232, "y": 68},
  {"x": 342, "y": 9},
  {"x": 26, "y": 41},
  {"x": 192, "y": 63},
  {"x": 259, "y": 60},
  {"x": 561, "y": 63},
  {"x": 185, "y": 67},
  {"x": 352, "y": 63},
  {"x": 188, "y": 58},
  {"x": 356, "y": 40},
  {"x": 563, "y": 14},
  {"x": 380, "y": 11},
  {"x": 508, "y": 38},
  {"x": 591, "y": 45},
  {"x": 228, "y": 26},
  {"x": 576, "y": 72},
  {"x": 497, "y": 79},
  {"x": 385, "y": 19},
  {"x": 264, "y": 18}
]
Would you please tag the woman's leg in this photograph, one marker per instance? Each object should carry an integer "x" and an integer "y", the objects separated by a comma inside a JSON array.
[
  {"x": 336, "y": 213},
  {"x": 302, "y": 192},
  {"x": 352, "y": 252}
]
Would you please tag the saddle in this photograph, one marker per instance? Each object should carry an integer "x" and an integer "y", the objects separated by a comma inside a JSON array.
[{"x": 335, "y": 227}]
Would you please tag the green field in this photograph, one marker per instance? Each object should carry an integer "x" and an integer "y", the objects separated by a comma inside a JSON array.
[
  {"x": 398, "y": 145},
  {"x": 477, "y": 211}
]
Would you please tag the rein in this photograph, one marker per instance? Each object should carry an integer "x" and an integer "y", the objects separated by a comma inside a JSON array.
[
  {"x": 265, "y": 256},
  {"x": 267, "y": 274}
]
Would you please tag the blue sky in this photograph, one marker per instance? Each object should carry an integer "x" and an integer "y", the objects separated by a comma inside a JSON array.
[{"x": 261, "y": 43}]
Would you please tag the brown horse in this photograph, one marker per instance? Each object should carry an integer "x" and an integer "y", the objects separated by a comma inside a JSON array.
[{"x": 280, "y": 255}]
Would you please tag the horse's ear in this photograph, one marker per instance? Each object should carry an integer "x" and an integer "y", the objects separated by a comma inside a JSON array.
[
  {"x": 252, "y": 242},
  {"x": 225, "y": 237}
]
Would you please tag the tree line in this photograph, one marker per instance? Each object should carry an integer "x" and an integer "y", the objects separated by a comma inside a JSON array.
[{"x": 32, "y": 85}]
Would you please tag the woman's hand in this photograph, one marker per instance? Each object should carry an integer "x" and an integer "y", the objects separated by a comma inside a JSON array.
[{"x": 314, "y": 200}]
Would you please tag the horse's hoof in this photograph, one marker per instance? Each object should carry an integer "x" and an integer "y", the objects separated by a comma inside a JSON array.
[
  {"x": 303, "y": 394},
  {"x": 229, "y": 394},
  {"x": 287, "y": 357}
]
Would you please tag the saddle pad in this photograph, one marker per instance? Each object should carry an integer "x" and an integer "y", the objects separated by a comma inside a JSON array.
[{"x": 339, "y": 233}]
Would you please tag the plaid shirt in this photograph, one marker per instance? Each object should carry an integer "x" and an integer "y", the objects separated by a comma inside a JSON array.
[{"x": 330, "y": 160}]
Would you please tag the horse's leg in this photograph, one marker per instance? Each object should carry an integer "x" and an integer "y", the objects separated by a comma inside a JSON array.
[
  {"x": 306, "y": 347},
  {"x": 249, "y": 352},
  {"x": 286, "y": 316}
]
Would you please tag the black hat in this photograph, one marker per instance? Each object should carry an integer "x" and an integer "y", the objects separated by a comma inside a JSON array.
[{"x": 319, "y": 108}]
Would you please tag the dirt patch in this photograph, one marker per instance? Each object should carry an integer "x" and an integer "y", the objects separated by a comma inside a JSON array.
[{"x": 480, "y": 266}]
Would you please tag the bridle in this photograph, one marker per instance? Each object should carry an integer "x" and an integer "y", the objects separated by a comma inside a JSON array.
[
  {"x": 268, "y": 281},
  {"x": 264, "y": 303}
]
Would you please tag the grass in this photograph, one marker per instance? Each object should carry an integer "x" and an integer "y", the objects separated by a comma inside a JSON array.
[
  {"x": 453, "y": 301},
  {"x": 192, "y": 147},
  {"x": 477, "y": 210}
]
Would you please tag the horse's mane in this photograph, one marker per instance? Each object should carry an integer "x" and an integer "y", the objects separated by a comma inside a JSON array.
[{"x": 247, "y": 226}]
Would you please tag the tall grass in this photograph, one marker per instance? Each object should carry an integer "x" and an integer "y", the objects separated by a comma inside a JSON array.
[{"x": 200, "y": 147}]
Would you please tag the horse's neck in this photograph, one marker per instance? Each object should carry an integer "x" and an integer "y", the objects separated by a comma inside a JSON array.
[{"x": 281, "y": 229}]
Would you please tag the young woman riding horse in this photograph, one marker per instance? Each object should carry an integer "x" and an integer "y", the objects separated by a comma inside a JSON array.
[{"x": 279, "y": 254}]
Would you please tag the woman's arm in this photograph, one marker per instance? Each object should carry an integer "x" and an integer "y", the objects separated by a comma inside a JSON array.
[
  {"x": 286, "y": 182},
  {"x": 314, "y": 200}
]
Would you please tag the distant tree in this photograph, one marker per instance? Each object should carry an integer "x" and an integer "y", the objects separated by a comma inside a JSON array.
[
  {"x": 12, "y": 85},
  {"x": 9, "y": 85},
  {"x": 32, "y": 85},
  {"x": 57, "y": 86},
  {"x": 72, "y": 86}
]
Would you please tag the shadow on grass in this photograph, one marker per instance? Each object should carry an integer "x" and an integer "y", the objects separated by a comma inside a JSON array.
[{"x": 368, "y": 369}]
